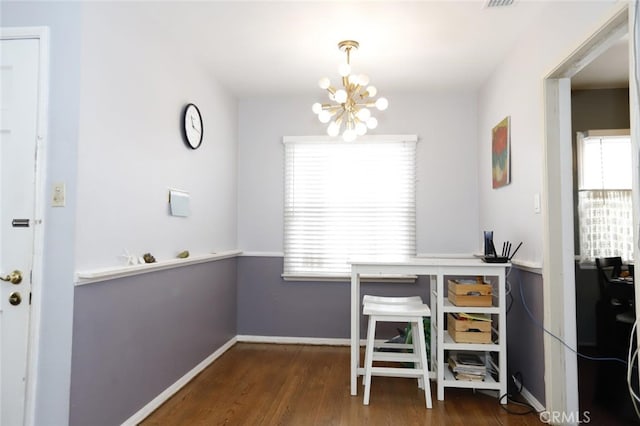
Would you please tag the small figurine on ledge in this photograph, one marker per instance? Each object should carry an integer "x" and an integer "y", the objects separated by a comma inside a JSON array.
[
  {"x": 148, "y": 258},
  {"x": 183, "y": 254}
]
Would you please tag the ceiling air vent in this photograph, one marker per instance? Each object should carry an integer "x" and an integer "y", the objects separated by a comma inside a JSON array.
[{"x": 498, "y": 3}]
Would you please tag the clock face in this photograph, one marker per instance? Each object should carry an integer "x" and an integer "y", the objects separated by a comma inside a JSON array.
[{"x": 192, "y": 125}]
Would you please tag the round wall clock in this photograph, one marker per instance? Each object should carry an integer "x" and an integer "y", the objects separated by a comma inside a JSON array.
[{"x": 192, "y": 126}]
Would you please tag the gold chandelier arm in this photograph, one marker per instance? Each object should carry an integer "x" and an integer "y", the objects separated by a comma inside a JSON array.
[
  {"x": 332, "y": 108},
  {"x": 366, "y": 104},
  {"x": 331, "y": 90}
]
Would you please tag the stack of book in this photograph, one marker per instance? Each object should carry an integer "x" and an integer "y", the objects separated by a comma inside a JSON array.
[{"x": 467, "y": 366}]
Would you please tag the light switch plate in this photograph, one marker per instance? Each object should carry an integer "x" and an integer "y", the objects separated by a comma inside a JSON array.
[
  {"x": 58, "y": 197},
  {"x": 536, "y": 203}
]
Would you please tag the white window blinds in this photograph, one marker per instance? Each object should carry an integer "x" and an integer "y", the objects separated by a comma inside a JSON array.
[{"x": 345, "y": 201}]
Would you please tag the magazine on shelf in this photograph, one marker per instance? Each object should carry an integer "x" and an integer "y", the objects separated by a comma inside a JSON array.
[{"x": 467, "y": 366}]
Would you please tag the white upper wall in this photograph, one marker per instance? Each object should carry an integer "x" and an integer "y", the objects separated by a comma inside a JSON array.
[
  {"x": 134, "y": 86},
  {"x": 516, "y": 89},
  {"x": 447, "y": 202}
]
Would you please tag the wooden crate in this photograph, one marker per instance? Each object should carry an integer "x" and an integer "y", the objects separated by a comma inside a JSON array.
[
  {"x": 461, "y": 324},
  {"x": 467, "y": 287},
  {"x": 464, "y": 300},
  {"x": 459, "y": 330},
  {"x": 470, "y": 293}
]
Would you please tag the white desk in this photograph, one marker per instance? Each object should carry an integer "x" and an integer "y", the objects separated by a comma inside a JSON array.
[{"x": 437, "y": 268}]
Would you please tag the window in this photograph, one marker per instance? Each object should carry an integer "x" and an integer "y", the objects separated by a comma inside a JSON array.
[
  {"x": 347, "y": 200},
  {"x": 604, "y": 194}
]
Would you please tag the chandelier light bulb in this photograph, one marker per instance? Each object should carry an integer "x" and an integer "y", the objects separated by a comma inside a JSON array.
[
  {"x": 372, "y": 123},
  {"x": 372, "y": 91},
  {"x": 333, "y": 129},
  {"x": 382, "y": 104},
  {"x": 363, "y": 79},
  {"x": 324, "y": 116},
  {"x": 361, "y": 129},
  {"x": 316, "y": 108},
  {"x": 324, "y": 83},
  {"x": 340, "y": 96},
  {"x": 349, "y": 135},
  {"x": 363, "y": 114},
  {"x": 344, "y": 70}
]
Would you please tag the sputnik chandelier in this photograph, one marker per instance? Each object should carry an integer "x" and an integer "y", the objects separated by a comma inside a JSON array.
[{"x": 351, "y": 105}]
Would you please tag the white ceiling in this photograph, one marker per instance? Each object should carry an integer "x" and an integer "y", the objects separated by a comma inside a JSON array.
[
  {"x": 276, "y": 47},
  {"x": 283, "y": 47}
]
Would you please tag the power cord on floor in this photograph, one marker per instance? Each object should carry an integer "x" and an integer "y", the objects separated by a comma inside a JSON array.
[{"x": 631, "y": 361}]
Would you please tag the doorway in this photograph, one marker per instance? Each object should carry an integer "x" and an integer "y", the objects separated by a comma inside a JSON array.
[
  {"x": 23, "y": 100},
  {"x": 561, "y": 371}
]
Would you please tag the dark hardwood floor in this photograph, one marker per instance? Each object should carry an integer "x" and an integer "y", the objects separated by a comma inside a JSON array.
[{"x": 263, "y": 384}]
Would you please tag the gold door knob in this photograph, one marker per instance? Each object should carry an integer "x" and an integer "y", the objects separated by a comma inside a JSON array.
[
  {"x": 14, "y": 278},
  {"x": 15, "y": 298}
]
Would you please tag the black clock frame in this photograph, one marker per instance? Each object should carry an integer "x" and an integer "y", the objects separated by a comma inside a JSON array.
[{"x": 184, "y": 126}]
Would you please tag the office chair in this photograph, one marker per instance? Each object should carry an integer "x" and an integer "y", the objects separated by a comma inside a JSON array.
[{"x": 608, "y": 268}]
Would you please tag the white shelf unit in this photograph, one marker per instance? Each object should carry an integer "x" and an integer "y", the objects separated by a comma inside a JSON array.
[
  {"x": 442, "y": 343},
  {"x": 438, "y": 269}
]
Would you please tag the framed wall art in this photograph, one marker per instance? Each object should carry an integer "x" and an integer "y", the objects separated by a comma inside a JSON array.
[{"x": 500, "y": 153}]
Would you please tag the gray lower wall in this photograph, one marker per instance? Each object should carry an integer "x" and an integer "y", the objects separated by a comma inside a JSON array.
[
  {"x": 525, "y": 344},
  {"x": 134, "y": 337},
  {"x": 270, "y": 306}
]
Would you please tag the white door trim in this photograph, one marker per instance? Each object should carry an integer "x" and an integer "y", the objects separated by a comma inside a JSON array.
[
  {"x": 561, "y": 365},
  {"x": 634, "y": 111},
  {"x": 41, "y": 34}
]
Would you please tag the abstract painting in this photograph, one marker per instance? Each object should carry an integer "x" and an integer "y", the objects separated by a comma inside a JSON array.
[{"x": 500, "y": 162}]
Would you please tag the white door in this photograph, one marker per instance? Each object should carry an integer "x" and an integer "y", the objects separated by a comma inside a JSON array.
[{"x": 19, "y": 60}]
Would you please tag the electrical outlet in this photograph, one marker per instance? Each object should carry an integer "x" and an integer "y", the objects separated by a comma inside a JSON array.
[{"x": 58, "y": 196}]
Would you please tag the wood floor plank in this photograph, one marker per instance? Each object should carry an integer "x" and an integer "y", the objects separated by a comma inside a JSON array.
[{"x": 264, "y": 384}]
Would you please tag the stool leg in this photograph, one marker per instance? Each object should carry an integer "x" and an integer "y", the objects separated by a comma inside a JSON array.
[
  {"x": 415, "y": 340},
  {"x": 368, "y": 358},
  {"x": 425, "y": 366}
]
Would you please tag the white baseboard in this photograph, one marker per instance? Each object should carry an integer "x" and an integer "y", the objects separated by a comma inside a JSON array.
[
  {"x": 530, "y": 398},
  {"x": 171, "y": 390},
  {"x": 281, "y": 340}
]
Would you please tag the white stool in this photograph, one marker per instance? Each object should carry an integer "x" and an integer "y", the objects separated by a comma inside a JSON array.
[
  {"x": 395, "y": 311},
  {"x": 391, "y": 300}
]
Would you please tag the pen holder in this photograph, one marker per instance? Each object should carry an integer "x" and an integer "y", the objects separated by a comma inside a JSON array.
[{"x": 488, "y": 241}]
